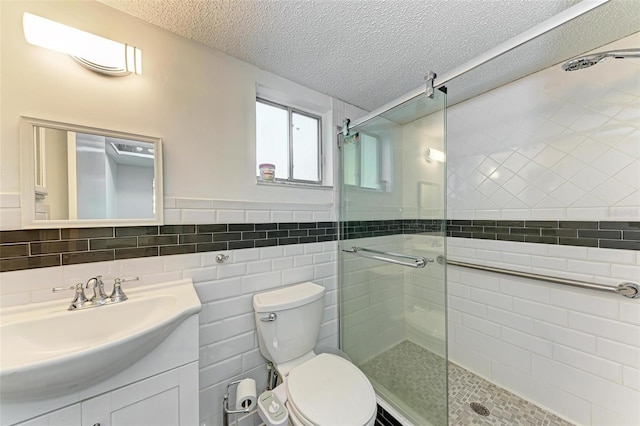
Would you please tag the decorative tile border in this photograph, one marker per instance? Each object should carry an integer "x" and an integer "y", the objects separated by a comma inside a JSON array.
[
  {"x": 600, "y": 234},
  {"x": 40, "y": 248},
  {"x": 378, "y": 228}
]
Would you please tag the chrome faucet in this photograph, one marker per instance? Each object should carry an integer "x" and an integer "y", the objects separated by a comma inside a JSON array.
[{"x": 99, "y": 298}]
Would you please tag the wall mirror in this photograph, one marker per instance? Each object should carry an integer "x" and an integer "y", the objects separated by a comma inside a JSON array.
[{"x": 78, "y": 176}]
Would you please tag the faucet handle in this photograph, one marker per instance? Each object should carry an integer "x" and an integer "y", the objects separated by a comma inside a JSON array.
[
  {"x": 124, "y": 280},
  {"x": 59, "y": 289},
  {"x": 117, "y": 295},
  {"x": 79, "y": 300}
]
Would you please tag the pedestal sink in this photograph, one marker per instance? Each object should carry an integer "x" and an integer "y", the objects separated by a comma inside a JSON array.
[{"x": 47, "y": 351}]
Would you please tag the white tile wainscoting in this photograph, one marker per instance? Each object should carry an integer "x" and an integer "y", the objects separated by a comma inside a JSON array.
[
  {"x": 228, "y": 344},
  {"x": 179, "y": 210},
  {"x": 574, "y": 352}
]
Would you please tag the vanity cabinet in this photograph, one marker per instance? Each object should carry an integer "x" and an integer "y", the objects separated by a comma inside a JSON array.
[
  {"x": 166, "y": 399},
  {"x": 161, "y": 389},
  {"x": 163, "y": 400},
  {"x": 68, "y": 416}
]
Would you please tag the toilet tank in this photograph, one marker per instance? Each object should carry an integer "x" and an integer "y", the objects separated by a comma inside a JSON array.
[{"x": 294, "y": 331}]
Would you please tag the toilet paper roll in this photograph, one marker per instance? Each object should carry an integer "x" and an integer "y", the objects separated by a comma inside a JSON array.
[{"x": 246, "y": 394}]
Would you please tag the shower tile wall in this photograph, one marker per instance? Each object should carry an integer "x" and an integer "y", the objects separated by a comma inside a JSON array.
[
  {"x": 554, "y": 145},
  {"x": 551, "y": 146},
  {"x": 372, "y": 299},
  {"x": 228, "y": 344}
]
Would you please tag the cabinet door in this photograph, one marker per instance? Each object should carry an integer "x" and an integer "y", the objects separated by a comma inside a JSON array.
[
  {"x": 163, "y": 400},
  {"x": 162, "y": 408},
  {"x": 68, "y": 416}
]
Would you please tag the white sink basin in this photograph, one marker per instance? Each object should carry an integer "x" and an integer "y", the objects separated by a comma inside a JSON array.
[{"x": 47, "y": 351}]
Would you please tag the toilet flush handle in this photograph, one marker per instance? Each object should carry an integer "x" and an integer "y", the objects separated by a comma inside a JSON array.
[{"x": 272, "y": 317}]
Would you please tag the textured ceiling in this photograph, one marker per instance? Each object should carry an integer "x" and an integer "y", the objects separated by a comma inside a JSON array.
[{"x": 369, "y": 52}]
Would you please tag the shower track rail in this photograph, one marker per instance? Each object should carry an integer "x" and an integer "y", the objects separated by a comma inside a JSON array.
[
  {"x": 626, "y": 289},
  {"x": 417, "y": 261}
]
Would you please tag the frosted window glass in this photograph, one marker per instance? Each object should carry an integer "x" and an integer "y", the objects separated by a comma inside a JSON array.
[
  {"x": 350, "y": 162},
  {"x": 361, "y": 162},
  {"x": 272, "y": 138},
  {"x": 370, "y": 162},
  {"x": 305, "y": 147}
]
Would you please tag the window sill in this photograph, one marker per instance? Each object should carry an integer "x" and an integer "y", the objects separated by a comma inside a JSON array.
[{"x": 295, "y": 185}]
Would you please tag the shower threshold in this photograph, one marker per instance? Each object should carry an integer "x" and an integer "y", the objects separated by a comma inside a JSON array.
[{"x": 411, "y": 377}]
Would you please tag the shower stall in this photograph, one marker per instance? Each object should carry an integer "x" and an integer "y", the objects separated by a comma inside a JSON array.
[
  {"x": 391, "y": 256},
  {"x": 392, "y": 247}
]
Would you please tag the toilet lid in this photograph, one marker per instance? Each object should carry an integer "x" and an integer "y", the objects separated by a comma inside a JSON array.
[{"x": 329, "y": 390}]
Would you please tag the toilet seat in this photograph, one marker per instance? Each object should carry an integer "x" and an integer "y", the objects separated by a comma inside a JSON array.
[{"x": 328, "y": 390}]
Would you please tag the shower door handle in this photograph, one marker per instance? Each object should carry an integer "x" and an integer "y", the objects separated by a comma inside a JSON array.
[{"x": 416, "y": 261}]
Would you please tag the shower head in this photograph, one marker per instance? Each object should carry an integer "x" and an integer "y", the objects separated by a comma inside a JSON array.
[{"x": 590, "y": 60}]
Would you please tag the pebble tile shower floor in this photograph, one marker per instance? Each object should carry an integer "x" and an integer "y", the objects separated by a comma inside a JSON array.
[{"x": 413, "y": 373}]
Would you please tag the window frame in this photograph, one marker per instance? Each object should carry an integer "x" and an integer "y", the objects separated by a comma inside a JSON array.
[{"x": 290, "y": 111}]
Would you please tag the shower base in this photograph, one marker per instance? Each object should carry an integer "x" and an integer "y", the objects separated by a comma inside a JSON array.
[{"x": 411, "y": 376}]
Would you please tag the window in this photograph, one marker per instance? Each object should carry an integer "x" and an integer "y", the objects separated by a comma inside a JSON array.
[
  {"x": 290, "y": 140},
  {"x": 362, "y": 165}
]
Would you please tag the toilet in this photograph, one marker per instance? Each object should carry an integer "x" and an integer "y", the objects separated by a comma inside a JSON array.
[{"x": 321, "y": 390}]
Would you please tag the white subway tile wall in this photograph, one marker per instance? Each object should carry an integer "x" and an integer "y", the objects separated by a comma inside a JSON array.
[
  {"x": 228, "y": 341},
  {"x": 537, "y": 339},
  {"x": 204, "y": 211},
  {"x": 553, "y": 145}
]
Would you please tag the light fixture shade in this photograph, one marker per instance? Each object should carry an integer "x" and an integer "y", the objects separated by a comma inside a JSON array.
[
  {"x": 434, "y": 154},
  {"x": 94, "y": 52}
]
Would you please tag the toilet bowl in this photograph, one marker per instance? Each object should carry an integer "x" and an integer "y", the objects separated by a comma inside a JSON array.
[
  {"x": 321, "y": 390},
  {"x": 329, "y": 390}
]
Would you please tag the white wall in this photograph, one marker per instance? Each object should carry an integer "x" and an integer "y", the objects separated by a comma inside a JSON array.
[
  {"x": 199, "y": 101},
  {"x": 561, "y": 146},
  {"x": 93, "y": 171},
  {"x": 134, "y": 189}
]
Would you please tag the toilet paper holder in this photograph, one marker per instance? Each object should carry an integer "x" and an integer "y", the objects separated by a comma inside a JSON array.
[{"x": 225, "y": 405}]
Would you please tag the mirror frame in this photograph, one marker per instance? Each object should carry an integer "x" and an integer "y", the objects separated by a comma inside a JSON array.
[{"x": 27, "y": 177}]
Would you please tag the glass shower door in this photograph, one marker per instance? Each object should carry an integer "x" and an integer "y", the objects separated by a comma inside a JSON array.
[{"x": 392, "y": 242}]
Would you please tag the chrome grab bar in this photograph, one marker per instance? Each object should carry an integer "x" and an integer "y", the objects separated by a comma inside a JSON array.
[
  {"x": 418, "y": 261},
  {"x": 626, "y": 289}
]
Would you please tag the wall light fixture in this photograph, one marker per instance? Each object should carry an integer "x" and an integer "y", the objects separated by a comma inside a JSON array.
[
  {"x": 96, "y": 53},
  {"x": 432, "y": 154}
]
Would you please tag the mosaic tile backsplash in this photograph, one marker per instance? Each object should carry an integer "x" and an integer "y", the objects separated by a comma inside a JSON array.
[{"x": 39, "y": 248}]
